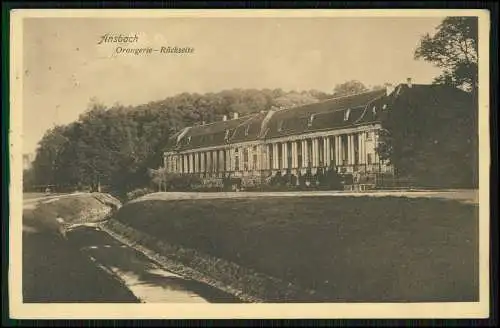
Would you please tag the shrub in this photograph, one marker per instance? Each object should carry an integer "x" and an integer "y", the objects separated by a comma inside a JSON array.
[
  {"x": 136, "y": 193},
  {"x": 180, "y": 182}
]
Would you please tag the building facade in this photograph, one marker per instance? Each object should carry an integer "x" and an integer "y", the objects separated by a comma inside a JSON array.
[{"x": 340, "y": 134}]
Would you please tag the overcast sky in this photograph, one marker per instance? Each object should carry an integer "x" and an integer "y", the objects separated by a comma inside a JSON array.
[{"x": 64, "y": 66}]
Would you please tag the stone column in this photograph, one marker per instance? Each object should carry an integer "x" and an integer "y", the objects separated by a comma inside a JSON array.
[
  {"x": 351, "y": 149},
  {"x": 294, "y": 155},
  {"x": 305, "y": 153},
  {"x": 348, "y": 149},
  {"x": 275, "y": 156},
  {"x": 214, "y": 160},
  {"x": 326, "y": 147},
  {"x": 284, "y": 155},
  {"x": 360, "y": 148},
  {"x": 338, "y": 153},
  {"x": 209, "y": 161}
]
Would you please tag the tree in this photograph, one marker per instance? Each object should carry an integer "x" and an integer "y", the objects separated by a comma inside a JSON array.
[
  {"x": 349, "y": 88},
  {"x": 380, "y": 86},
  {"x": 158, "y": 177},
  {"x": 453, "y": 48},
  {"x": 432, "y": 140}
]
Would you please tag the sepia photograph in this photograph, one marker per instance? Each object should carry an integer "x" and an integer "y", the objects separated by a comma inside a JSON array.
[{"x": 249, "y": 164}]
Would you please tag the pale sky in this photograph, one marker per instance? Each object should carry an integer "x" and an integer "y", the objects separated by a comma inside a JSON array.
[{"x": 64, "y": 66}]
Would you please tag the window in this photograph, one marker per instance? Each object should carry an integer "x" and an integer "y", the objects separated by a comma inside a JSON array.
[
  {"x": 346, "y": 114},
  {"x": 270, "y": 155},
  {"x": 374, "y": 110},
  {"x": 247, "y": 129},
  {"x": 245, "y": 159},
  {"x": 368, "y": 136},
  {"x": 311, "y": 119},
  {"x": 188, "y": 140},
  {"x": 280, "y": 126},
  {"x": 384, "y": 107},
  {"x": 369, "y": 159},
  {"x": 254, "y": 158},
  {"x": 226, "y": 137},
  {"x": 299, "y": 152},
  {"x": 236, "y": 160}
]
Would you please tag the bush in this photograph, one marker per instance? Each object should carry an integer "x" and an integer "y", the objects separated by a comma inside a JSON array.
[
  {"x": 136, "y": 193},
  {"x": 180, "y": 182}
]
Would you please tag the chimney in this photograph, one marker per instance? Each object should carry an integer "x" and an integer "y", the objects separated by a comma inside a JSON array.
[
  {"x": 389, "y": 88},
  {"x": 235, "y": 115},
  {"x": 408, "y": 82},
  {"x": 224, "y": 118}
]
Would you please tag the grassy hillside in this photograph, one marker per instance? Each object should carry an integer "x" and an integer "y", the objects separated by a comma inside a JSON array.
[
  {"x": 54, "y": 271},
  {"x": 352, "y": 248}
]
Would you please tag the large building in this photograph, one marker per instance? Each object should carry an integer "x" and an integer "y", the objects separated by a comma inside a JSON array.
[{"x": 340, "y": 134}]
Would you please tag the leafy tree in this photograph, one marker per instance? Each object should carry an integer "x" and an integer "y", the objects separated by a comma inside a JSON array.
[
  {"x": 349, "y": 88},
  {"x": 433, "y": 139},
  {"x": 453, "y": 48},
  {"x": 380, "y": 86}
]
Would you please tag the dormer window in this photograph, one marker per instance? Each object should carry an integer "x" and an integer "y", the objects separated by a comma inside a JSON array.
[
  {"x": 188, "y": 140},
  {"x": 310, "y": 122},
  {"x": 280, "y": 126},
  {"x": 226, "y": 137},
  {"x": 384, "y": 107},
  {"x": 346, "y": 114},
  {"x": 374, "y": 110},
  {"x": 246, "y": 130}
]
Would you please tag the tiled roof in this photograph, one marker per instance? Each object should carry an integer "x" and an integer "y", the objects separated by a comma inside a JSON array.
[
  {"x": 331, "y": 114},
  {"x": 336, "y": 113}
]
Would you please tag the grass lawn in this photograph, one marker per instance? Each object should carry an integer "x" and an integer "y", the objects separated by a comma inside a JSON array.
[{"x": 352, "y": 248}]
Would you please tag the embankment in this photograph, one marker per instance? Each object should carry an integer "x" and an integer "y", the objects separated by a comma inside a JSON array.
[
  {"x": 52, "y": 270},
  {"x": 313, "y": 249}
]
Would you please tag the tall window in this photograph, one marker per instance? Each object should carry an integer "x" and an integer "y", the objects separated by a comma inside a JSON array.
[
  {"x": 245, "y": 159},
  {"x": 356, "y": 148},
  {"x": 309, "y": 152},
  {"x": 299, "y": 152},
  {"x": 345, "y": 146},
  {"x": 280, "y": 156},
  {"x": 321, "y": 151},
  {"x": 289, "y": 154},
  {"x": 236, "y": 160},
  {"x": 331, "y": 160},
  {"x": 224, "y": 160},
  {"x": 209, "y": 162},
  {"x": 270, "y": 155},
  {"x": 254, "y": 158}
]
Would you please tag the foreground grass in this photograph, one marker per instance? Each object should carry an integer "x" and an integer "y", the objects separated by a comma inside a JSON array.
[{"x": 352, "y": 248}]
